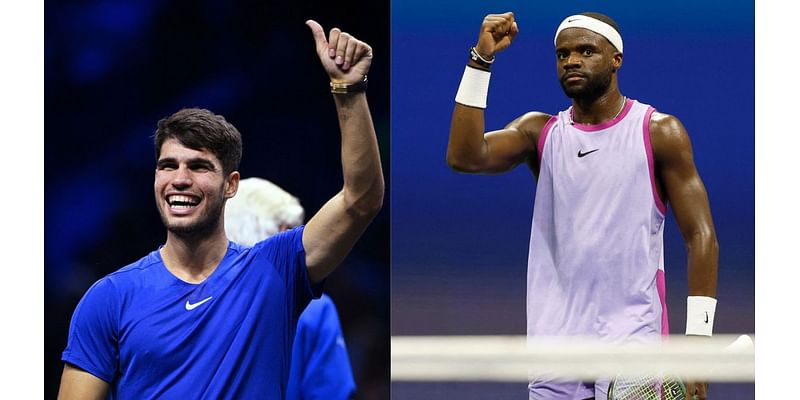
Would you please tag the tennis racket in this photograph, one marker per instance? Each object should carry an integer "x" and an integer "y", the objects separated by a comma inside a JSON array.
[
  {"x": 661, "y": 388},
  {"x": 646, "y": 388}
]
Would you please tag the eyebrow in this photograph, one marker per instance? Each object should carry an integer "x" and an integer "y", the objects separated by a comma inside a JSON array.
[
  {"x": 196, "y": 161},
  {"x": 580, "y": 46}
]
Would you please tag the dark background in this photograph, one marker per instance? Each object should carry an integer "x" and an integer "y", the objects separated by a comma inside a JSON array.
[
  {"x": 114, "y": 67},
  {"x": 460, "y": 242}
]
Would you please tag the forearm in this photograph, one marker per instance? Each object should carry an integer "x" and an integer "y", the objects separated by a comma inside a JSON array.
[
  {"x": 703, "y": 252},
  {"x": 361, "y": 165},
  {"x": 703, "y": 255},
  {"x": 467, "y": 148}
]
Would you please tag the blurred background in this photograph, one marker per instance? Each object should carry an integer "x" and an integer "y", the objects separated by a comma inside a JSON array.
[
  {"x": 460, "y": 242},
  {"x": 113, "y": 68}
]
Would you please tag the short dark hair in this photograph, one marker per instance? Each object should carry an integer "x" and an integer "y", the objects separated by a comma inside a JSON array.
[
  {"x": 201, "y": 129},
  {"x": 604, "y": 18}
]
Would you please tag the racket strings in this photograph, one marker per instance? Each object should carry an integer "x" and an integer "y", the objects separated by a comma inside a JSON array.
[{"x": 647, "y": 388}]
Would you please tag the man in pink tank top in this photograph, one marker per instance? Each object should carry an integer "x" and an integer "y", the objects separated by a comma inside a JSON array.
[{"x": 606, "y": 169}]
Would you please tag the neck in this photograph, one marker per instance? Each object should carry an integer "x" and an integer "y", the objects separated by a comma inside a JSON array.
[
  {"x": 192, "y": 258},
  {"x": 598, "y": 110}
]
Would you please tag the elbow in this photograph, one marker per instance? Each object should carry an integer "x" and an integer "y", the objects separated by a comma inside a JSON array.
[
  {"x": 703, "y": 241},
  {"x": 373, "y": 206},
  {"x": 708, "y": 239},
  {"x": 367, "y": 210},
  {"x": 460, "y": 164},
  {"x": 367, "y": 205},
  {"x": 476, "y": 161},
  {"x": 715, "y": 245},
  {"x": 454, "y": 163}
]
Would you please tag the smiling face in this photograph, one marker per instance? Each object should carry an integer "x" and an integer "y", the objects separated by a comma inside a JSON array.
[
  {"x": 586, "y": 63},
  {"x": 191, "y": 189}
]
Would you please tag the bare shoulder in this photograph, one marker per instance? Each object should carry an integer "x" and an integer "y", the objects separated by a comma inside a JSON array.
[
  {"x": 668, "y": 135},
  {"x": 530, "y": 124}
]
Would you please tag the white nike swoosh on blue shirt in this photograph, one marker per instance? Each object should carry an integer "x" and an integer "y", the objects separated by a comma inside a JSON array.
[{"x": 190, "y": 306}]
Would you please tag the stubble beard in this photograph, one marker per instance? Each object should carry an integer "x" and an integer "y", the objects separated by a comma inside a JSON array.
[
  {"x": 205, "y": 224},
  {"x": 595, "y": 87}
]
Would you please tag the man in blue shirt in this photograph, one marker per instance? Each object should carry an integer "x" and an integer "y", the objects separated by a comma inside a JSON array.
[
  {"x": 320, "y": 367},
  {"x": 202, "y": 317}
]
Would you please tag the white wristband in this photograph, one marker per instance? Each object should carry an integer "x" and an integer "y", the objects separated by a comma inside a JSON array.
[
  {"x": 700, "y": 315},
  {"x": 474, "y": 88}
]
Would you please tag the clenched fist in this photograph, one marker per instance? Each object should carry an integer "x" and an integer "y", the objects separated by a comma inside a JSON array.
[{"x": 497, "y": 33}]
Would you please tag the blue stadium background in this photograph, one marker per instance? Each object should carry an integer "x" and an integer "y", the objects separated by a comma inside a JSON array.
[
  {"x": 459, "y": 242},
  {"x": 114, "y": 67}
]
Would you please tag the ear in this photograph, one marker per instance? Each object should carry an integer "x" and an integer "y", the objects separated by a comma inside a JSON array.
[
  {"x": 232, "y": 184},
  {"x": 616, "y": 61}
]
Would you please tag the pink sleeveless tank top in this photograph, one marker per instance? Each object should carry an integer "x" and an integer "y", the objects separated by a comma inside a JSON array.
[{"x": 596, "y": 264}]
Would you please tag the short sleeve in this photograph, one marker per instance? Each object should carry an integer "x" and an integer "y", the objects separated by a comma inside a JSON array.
[
  {"x": 324, "y": 371},
  {"x": 92, "y": 344},
  {"x": 288, "y": 255}
]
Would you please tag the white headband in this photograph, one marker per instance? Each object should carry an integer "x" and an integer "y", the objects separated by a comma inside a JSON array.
[{"x": 594, "y": 25}]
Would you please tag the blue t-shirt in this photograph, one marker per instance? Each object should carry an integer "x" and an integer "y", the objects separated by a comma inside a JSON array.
[
  {"x": 152, "y": 335},
  {"x": 320, "y": 365}
]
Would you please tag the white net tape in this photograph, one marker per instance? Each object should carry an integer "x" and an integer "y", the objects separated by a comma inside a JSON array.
[{"x": 721, "y": 358}]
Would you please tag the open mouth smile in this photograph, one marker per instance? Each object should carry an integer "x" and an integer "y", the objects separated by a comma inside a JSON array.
[{"x": 182, "y": 202}]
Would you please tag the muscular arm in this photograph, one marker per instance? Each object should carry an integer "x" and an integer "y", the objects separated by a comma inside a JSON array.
[
  {"x": 77, "y": 384},
  {"x": 330, "y": 235},
  {"x": 682, "y": 186},
  {"x": 470, "y": 150}
]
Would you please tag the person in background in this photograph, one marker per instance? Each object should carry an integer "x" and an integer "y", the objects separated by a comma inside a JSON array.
[{"x": 320, "y": 367}]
